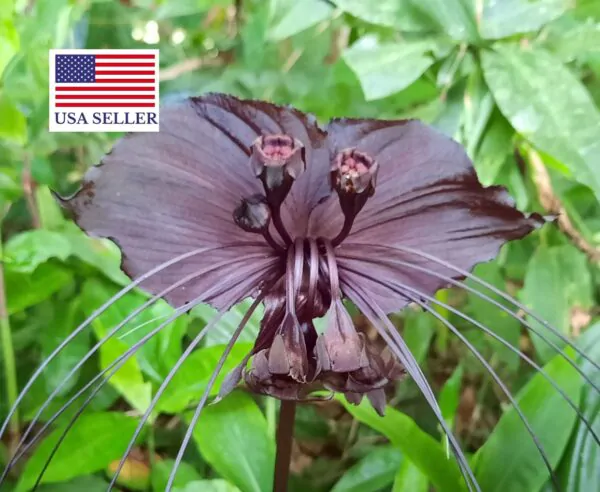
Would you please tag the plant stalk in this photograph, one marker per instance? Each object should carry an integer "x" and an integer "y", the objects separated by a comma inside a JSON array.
[
  {"x": 8, "y": 357},
  {"x": 285, "y": 436}
]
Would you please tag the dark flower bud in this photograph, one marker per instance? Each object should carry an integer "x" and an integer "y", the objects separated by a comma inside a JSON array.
[
  {"x": 277, "y": 160},
  {"x": 253, "y": 214},
  {"x": 288, "y": 355},
  {"x": 353, "y": 172}
]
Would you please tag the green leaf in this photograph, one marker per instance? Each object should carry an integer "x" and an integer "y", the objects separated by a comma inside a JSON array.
[
  {"x": 450, "y": 396},
  {"x": 498, "y": 321},
  {"x": 9, "y": 46},
  {"x": 552, "y": 420},
  {"x": 418, "y": 332},
  {"x": 222, "y": 334},
  {"x": 504, "y": 18},
  {"x": 29, "y": 289},
  {"x": 13, "y": 126},
  {"x": 549, "y": 106},
  {"x": 93, "y": 442},
  {"x": 410, "y": 479},
  {"x": 65, "y": 320},
  {"x": 232, "y": 436},
  {"x": 215, "y": 485},
  {"x": 373, "y": 472},
  {"x": 386, "y": 68},
  {"x": 416, "y": 445},
  {"x": 128, "y": 380},
  {"x": 400, "y": 14},
  {"x": 162, "y": 469},
  {"x": 454, "y": 17},
  {"x": 576, "y": 42},
  {"x": 191, "y": 379},
  {"x": 557, "y": 280},
  {"x": 293, "y": 17},
  {"x": 496, "y": 145},
  {"x": 578, "y": 470},
  {"x": 89, "y": 483},
  {"x": 27, "y": 250}
]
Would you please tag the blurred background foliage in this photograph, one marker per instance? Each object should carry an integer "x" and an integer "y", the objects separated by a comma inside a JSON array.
[{"x": 517, "y": 82}]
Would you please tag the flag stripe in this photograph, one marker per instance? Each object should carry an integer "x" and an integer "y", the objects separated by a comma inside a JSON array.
[
  {"x": 105, "y": 96},
  {"x": 104, "y": 105},
  {"x": 94, "y": 88},
  {"x": 104, "y": 56},
  {"x": 119, "y": 64},
  {"x": 125, "y": 81},
  {"x": 124, "y": 72}
]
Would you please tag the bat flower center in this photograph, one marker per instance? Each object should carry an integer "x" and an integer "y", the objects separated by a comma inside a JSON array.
[{"x": 291, "y": 359}]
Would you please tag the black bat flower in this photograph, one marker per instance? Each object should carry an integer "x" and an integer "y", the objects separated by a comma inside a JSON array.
[{"x": 236, "y": 199}]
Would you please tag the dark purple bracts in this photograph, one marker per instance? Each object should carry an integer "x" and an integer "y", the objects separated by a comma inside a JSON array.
[{"x": 322, "y": 209}]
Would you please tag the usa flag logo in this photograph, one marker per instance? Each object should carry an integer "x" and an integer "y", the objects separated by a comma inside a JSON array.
[{"x": 104, "y": 90}]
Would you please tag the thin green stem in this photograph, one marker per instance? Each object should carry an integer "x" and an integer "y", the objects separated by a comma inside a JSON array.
[
  {"x": 285, "y": 436},
  {"x": 271, "y": 415},
  {"x": 8, "y": 358}
]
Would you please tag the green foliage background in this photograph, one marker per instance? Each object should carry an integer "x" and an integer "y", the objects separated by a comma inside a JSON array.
[{"x": 517, "y": 82}]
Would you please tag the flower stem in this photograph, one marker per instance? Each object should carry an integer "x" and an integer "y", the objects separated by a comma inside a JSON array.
[
  {"x": 8, "y": 357},
  {"x": 285, "y": 434}
]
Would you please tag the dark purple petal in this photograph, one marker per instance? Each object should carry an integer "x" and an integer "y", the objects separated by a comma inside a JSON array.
[{"x": 428, "y": 197}]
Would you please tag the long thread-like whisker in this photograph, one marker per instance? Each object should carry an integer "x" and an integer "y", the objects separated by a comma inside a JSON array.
[
  {"x": 97, "y": 313},
  {"x": 497, "y": 337},
  {"x": 375, "y": 314},
  {"x": 211, "y": 382},
  {"x": 486, "y": 298},
  {"x": 402, "y": 290},
  {"x": 497, "y": 291},
  {"x": 103, "y": 340},
  {"x": 113, "y": 368}
]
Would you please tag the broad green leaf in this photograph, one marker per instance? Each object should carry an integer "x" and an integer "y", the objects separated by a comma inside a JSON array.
[
  {"x": 65, "y": 320},
  {"x": 25, "y": 290},
  {"x": 13, "y": 126},
  {"x": 496, "y": 145},
  {"x": 418, "y": 332},
  {"x": 416, "y": 445},
  {"x": 450, "y": 396},
  {"x": 456, "y": 18},
  {"x": 386, "y": 68},
  {"x": 93, "y": 442},
  {"x": 9, "y": 46},
  {"x": 552, "y": 420},
  {"x": 292, "y": 17},
  {"x": 191, "y": 379},
  {"x": 400, "y": 14},
  {"x": 50, "y": 212},
  {"x": 223, "y": 332},
  {"x": 557, "y": 280},
  {"x": 128, "y": 380},
  {"x": 504, "y": 18},
  {"x": 410, "y": 479},
  {"x": 215, "y": 485},
  {"x": 232, "y": 436},
  {"x": 91, "y": 483},
  {"x": 162, "y": 469},
  {"x": 27, "y": 250},
  {"x": 546, "y": 103},
  {"x": 492, "y": 317},
  {"x": 576, "y": 42},
  {"x": 373, "y": 472},
  {"x": 578, "y": 470}
]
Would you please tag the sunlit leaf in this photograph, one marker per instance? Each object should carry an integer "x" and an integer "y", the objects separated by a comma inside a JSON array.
[
  {"x": 293, "y": 17},
  {"x": 13, "y": 126},
  {"x": 386, "y": 68},
  {"x": 372, "y": 472},
  {"x": 578, "y": 470},
  {"x": 507, "y": 17},
  {"x": 401, "y": 14},
  {"x": 547, "y": 104},
  {"x": 410, "y": 479},
  {"x": 27, "y": 250},
  {"x": 233, "y": 437},
  {"x": 557, "y": 281},
  {"x": 91, "y": 444},
  {"x": 416, "y": 445},
  {"x": 161, "y": 470},
  {"x": 552, "y": 421}
]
